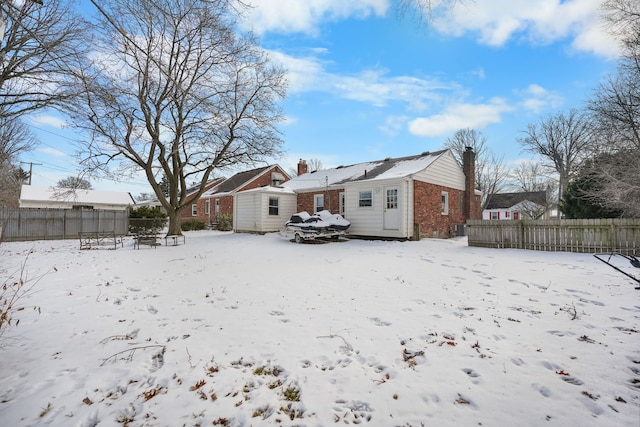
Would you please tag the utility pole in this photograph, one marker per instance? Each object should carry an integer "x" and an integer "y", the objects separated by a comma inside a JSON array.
[{"x": 31, "y": 169}]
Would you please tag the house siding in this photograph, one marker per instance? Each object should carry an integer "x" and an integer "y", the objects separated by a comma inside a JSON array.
[
  {"x": 445, "y": 171},
  {"x": 252, "y": 211}
]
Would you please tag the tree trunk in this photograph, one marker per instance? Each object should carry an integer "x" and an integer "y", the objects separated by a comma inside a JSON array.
[{"x": 174, "y": 223}]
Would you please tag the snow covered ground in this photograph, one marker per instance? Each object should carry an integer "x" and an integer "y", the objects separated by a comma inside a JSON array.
[{"x": 240, "y": 330}]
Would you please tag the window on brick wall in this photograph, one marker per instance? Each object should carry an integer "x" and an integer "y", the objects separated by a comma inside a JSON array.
[
  {"x": 207, "y": 207},
  {"x": 318, "y": 201},
  {"x": 365, "y": 199},
  {"x": 273, "y": 206},
  {"x": 445, "y": 203},
  {"x": 194, "y": 209},
  {"x": 341, "y": 204}
]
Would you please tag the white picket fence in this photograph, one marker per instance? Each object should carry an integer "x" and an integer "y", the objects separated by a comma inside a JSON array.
[{"x": 566, "y": 235}]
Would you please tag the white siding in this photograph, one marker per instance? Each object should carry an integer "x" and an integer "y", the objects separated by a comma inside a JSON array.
[
  {"x": 444, "y": 171},
  {"x": 369, "y": 221},
  {"x": 251, "y": 211},
  {"x": 286, "y": 208}
]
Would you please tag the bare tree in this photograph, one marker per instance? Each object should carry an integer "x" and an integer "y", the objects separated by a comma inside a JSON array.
[
  {"x": 74, "y": 183},
  {"x": 15, "y": 138},
  {"x": 615, "y": 106},
  {"x": 173, "y": 91},
  {"x": 37, "y": 50},
  {"x": 563, "y": 141},
  {"x": 315, "y": 164},
  {"x": 531, "y": 176},
  {"x": 490, "y": 170}
]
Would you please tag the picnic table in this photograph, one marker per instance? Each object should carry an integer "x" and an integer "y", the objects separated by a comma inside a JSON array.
[
  {"x": 148, "y": 239},
  {"x": 98, "y": 239}
]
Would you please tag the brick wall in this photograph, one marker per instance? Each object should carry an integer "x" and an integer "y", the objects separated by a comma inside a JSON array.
[
  {"x": 427, "y": 211},
  {"x": 331, "y": 200}
]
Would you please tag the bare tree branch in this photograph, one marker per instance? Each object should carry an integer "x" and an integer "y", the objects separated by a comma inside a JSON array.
[{"x": 175, "y": 92}]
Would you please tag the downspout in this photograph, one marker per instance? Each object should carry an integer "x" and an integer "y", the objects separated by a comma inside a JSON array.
[{"x": 409, "y": 225}]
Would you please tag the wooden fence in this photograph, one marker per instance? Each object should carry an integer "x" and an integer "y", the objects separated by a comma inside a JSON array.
[
  {"x": 566, "y": 235},
  {"x": 23, "y": 224}
]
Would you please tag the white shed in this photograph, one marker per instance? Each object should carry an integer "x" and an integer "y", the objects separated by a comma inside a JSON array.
[
  {"x": 263, "y": 210},
  {"x": 32, "y": 196}
]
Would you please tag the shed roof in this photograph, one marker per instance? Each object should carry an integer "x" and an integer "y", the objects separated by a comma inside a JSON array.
[
  {"x": 88, "y": 197},
  {"x": 368, "y": 171},
  {"x": 507, "y": 200}
]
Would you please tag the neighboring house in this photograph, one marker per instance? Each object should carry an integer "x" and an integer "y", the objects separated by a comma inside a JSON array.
[
  {"x": 193, "y": 211},
  {"x": 427, "y": 195},
  {"x": 516, "y": 206},
  {"x": 61, "y": 198},
  {"x": 220, "y": 199}
]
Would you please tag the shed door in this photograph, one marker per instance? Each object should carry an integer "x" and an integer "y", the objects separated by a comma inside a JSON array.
[{"x": 391, "y": 215}]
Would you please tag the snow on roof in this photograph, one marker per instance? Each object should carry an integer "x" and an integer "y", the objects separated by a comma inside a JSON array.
[
  {"x": 368, "y": 171},
  {"x": 43, "y": 194},
  {"x": 270, "y": 189}
]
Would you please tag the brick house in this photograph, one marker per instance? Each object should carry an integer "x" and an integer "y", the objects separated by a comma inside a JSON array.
[
  {"x": 219, "y": 200},
  {"x": 427, "y": 195},
  {"x": 191, "y": 191}
]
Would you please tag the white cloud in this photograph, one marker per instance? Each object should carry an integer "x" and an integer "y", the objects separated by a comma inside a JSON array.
[
  {"x": 52, "y": 152},
  {"x": 372, "y": 86},
  {"x": 305, "y": 16},
  {"x": 48, "y": 120},
  {"x": 535, "y": 98},
  {"x": 459, "y": 116},
  {"x": 496, "y": 22}
]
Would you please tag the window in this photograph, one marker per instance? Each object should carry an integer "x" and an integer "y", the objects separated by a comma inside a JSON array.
[
  {"x": 365, "y": 199},
  {"x": 392, "y": 198},
  {"x": 318, "y": 202},
  {"x": 273, "y": 206},
  {"x": 194, "y": 209},
  {"x": 207, "y": 207},
  {"x": 217, "y": 207},
  {"x": 506, "y": 214},
  {"x": 516, "y": 215},
  {"x": 494, "y": 215},
  {"x": 445, "y": 203},
  {"x": 341, "y": 204}
]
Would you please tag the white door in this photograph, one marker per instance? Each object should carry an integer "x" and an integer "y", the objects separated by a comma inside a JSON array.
[{"x": 391, "y": 215}]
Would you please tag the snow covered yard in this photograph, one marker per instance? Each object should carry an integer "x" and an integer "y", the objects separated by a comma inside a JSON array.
[{"x": 240, "y": 330}]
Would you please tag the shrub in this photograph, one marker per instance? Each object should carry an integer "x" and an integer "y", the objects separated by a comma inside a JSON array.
[
  {"x": 225, "y": 222},
  {"x": 14, "y": 289},
  {"x": 146, "y": 220},
  {"x": 192, "y": 224}
]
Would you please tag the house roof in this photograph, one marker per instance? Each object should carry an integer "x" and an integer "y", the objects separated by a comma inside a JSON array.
[
  {"x": 209, "y": 184},
  {"x": 507, "y": 200},
  {"x": 238, "y": 180},
  {"x": 369, "y": 171},
  {"x": 88, "y": 197}
]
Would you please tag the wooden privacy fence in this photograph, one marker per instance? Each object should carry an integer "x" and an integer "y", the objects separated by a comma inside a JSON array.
[
  {"x": 567, "y": 235},
  {"x": 22, "y": 224}
]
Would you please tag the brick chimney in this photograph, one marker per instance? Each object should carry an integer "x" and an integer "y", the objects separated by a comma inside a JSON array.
[
  {"x": 302, "y": 167},
  {"x": 471, "y": 208}
]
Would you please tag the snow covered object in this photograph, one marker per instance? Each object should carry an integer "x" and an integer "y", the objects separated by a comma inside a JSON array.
[{"x": 302, "y": 226}]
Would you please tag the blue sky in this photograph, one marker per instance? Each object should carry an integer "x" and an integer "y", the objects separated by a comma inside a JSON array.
[{"x": 366, "y": 84}]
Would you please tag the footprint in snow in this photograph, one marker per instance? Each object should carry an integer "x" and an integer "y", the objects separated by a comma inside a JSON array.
[
  {"x": 352, "y": 412},
  {"x": 379, "y": 322},
  {"x": 151, "y": 309}
]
